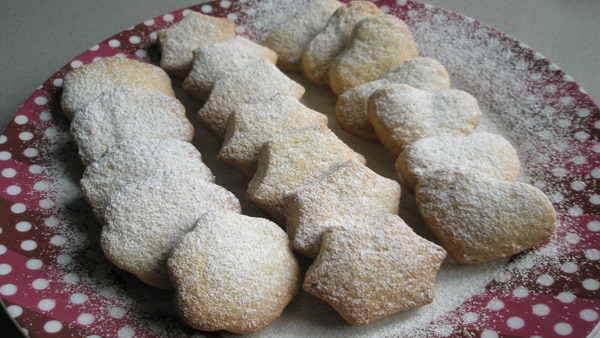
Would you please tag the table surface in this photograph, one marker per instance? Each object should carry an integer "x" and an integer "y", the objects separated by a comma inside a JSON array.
[{"x": 39, "y": 37}]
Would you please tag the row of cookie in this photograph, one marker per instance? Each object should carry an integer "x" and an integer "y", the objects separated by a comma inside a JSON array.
[
  {"x": 342, "y": 45},
  {"x": 312, "y": 182},
  {"x": 333, "y": 44},
  {"x": 429, "y": 126},
  {"x": 153, "y": 194},
  {"x": 304, "y": 176}
]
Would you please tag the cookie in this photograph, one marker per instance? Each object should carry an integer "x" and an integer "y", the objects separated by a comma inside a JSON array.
[
  {"x": 332, "y": 40},
  {"x": 251, "y": 84},
  {"x": 290, "y": 38},
  {"x": 485, "y": 153},
  {"x": 82, "y": 85},
  {"x": 291, "y": 160},
  {"x": 178, "y": 42},
  {"x": 233, "y": 272},
  {"x": 374, "y": 269},
  {"x": 134, "y": 160},
  {"x": 378, "y": 44},
  {"x": 351, "y": 107},
  {"x": 342, "y": 196},
  {"x": 402, "y": 114},
  {"x": 211, "y": 59},
  {"x": 479, "y": 218},
  {"x": 251, "y": 125},
  {"x": 146, "y": 218},
  {"x": 123, "y": 114}
]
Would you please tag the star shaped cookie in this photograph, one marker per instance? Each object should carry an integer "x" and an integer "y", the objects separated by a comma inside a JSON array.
[
  {"x": 211, "y": 59},
  {"x": 251, "y": 84},
  {"x": 342, "y": 196},
  {"x": 291, "y": 37},
  {"x": 374, "y": 269},
  {"x": 251, "y": 125},
  {"x": 178, "y": 42},
  {"x": 291, "y": 160}
]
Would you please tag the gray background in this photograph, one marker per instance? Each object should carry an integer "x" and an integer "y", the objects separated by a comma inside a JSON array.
[{"x": 38, "y": 37}]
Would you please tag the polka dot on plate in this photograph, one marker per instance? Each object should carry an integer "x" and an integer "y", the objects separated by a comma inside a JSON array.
[
  {"x": 46, "y": 204},
  {"x": 77, "y": 63},
  {"x": 29, "y": 245},
  {"x": 594, "y": 226},
  {"x": 141, "y": 53},
  {"x": 588, "y": 315},
  {"x": 58, "y": 82},
  {"x": 64, "y": 259},
  {"x": 5, "y": 156},
  {"x": 46, "y": 304},
  {"x": 21, "y": 119},
  {"x": 520, "y": 292},
  {"x": 591, "y": 284},
  {"x": 572, "y": 238},
  {"x": 515, "y": 322},
  {"x": 14, "y": 310},
  {"x": 40, "y": 100},
  {"x": 443, "y": 330},
  {"x": 53, "y": 326},
  {"x": 495, "y": 304},
  {"x": 569, "y": 267},
  {"x": 575, "y": 211},
  {"x": 13, "y": 190},
  {"x": 25, "y": 136},
  {"x": 71, "y": 278},
  {"x": 36, "y": 169},
  {"x": 41, "y": 186},
  {"x": 135, "y": 39},
  {"x": 225, "y": 4},
  {"x": 114, "y": 43},
  {"x": 117, "y": 312},
  {"x": 18, "y": 208},
  {"x": 78, "y": 298},
  {"x": 566, "y": 297},
  {"x": 8, "y": 289},
  {"x": 30, "y": 152},
  {"x": 40, "y": 284},
  {"x": 469, "y": 317},
  {"x": 34, "y": 264},
  {"x": 85, "y": 319},
  {"x": 23, "y": 226},
  {"x": 563, "y": 329},
  {"x": 58, "y": 240},
  {"x": 545, "y": 280},
  {"x": 125, "y": 332},
  {"x": 206, "y": 9},
  {"x": 5, "y": 269},
  {"x": 541, "y": 309},
  {"x": 168, "y": 17},
  {"x": 51, "y": 222},
  {"x": 9, "y": 172}
]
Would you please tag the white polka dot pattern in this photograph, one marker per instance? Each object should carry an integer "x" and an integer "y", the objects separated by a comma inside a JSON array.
[{"x": 54, "y": 280}]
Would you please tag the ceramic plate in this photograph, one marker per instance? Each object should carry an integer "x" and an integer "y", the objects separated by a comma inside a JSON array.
[{"x": 54, "y": 279}]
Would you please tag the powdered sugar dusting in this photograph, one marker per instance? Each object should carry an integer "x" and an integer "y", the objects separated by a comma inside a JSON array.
[{"x": 524, "y": 97}]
